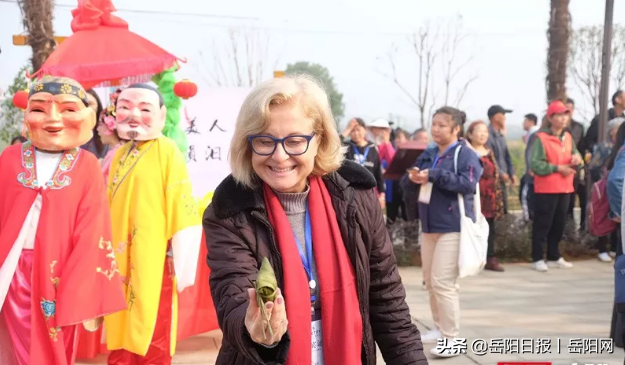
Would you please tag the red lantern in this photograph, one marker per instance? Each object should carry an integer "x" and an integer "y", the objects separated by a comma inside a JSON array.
[
  {"x": 20, "y": 99},
  {"x": 185, "y": 89}
]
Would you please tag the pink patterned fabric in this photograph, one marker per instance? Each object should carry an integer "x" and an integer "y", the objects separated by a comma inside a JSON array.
[
  {"x": 16, "y": 309},
  {"x": 16, "y": 313},
  {"x": 106, "y": 162}
]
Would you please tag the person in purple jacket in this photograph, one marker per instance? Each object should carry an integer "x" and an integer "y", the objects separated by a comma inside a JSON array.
[{"x": 435, "y": 172}]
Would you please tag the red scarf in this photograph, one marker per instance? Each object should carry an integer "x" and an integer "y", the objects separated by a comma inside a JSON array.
[{"x": 340, "y": 312}]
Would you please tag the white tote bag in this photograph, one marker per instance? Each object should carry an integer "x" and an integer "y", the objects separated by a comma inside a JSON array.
[{"x": 473, "y": 235}]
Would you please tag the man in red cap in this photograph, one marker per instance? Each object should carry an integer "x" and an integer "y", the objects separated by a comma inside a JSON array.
[{"x": 554, "y": 162}]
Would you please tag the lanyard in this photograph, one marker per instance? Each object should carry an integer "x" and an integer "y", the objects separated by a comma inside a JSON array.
[
  {"x": 307, "y": 258},
  {"x": 447, "y": 150},
  {"x": 361, "y": 158}
]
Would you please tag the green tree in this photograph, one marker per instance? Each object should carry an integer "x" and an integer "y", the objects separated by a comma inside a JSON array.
[
  {"x": 11, "y": 117},
  {"x": 166, "y": 81},
  {"x": 321, "y": 74}
]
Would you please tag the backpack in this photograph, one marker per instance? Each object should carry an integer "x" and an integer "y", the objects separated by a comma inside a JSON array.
[{"x": 599, "y": 223}]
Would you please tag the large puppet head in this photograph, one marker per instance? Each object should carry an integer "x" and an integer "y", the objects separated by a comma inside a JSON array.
[
  {"x": 58, "y": 116},
  {"x": 141, "y": 113}
]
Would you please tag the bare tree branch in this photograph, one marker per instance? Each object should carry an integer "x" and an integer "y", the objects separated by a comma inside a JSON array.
[
  {"x": 393, "y": 76},
  {"x": 429, "y": 46},
  {"x": 463, "y": 90},
  {"x": 238, "y": 60},
  {"x": 585, "y": 59}
]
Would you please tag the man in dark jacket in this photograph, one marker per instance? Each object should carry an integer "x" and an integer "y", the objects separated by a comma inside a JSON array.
[
  {"x": 526, "y": 190},
  {"x": 576, "y": 129},
  {"x": 588, "y": 142},
  {"x": 497, "y": 144}
]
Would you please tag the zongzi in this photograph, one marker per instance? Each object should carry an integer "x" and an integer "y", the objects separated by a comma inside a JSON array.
[{"x": 266, "y": 287}]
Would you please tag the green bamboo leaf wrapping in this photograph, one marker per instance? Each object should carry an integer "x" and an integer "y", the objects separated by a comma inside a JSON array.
[
  {"x": 266, "y": 287},
  {"x": 266, "y": 283}
]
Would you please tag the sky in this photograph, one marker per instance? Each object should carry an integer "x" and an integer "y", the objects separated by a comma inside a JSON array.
[{"x": 505, "y": 45}]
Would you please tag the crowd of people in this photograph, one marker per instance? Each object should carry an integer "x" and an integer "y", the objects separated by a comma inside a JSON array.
[
  {"x": 311, "y": 202},
  {"x": 488, "y": 139},
  {"x": 557, "y": 150}
]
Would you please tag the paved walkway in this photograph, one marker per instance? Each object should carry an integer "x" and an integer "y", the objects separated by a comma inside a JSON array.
[{"x": 518, "y": 304}]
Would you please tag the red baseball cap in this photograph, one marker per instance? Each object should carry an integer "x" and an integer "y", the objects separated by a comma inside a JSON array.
[{"x": 557, "y": 107}]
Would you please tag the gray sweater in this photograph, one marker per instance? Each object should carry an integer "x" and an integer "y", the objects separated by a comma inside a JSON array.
[{"x": 294, "y": 205}]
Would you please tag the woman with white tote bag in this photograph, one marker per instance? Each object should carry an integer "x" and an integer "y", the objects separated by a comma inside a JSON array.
[{"x": 443, "y": 172}]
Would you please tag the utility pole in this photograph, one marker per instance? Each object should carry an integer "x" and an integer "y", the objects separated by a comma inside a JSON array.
[{"x": 605, "y": 70}]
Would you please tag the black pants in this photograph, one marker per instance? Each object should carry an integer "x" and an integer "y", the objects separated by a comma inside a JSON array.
[
  {"x": 549, "y": 219},
  {"x": 396, "y": 208},
  {"x": 614, "y": 238},
  {"x": 504, "y": 195},
  {"x": 581, "y": 192},
  {"x": 490, "y": 253}
]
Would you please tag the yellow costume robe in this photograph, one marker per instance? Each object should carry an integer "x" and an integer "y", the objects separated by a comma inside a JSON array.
[{"x": 151, "y": 203}]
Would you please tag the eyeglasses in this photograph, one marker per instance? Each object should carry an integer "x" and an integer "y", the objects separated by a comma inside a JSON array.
[{"x": 293, "y": 145}]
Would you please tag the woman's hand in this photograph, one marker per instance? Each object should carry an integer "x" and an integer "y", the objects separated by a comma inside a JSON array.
[
  {"x": 418, "y": 176},
  {"x": 565, "y": 170},
  {"x": 576, "y": 160},
  {"x": 413, "y": 175},
  {"x": 256, "y": 325},
  {"x": 386, "y": 135},
  {"x": 349, "y": 128},
  {"x": 506, "y": 178}
]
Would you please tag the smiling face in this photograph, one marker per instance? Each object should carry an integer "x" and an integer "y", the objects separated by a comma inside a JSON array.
[
  {"x": 479, "y": 135},
  {"x": 58, "y": 122},
  {"x": 284, "y": 173},
  {"x": 139, "y": 115}
]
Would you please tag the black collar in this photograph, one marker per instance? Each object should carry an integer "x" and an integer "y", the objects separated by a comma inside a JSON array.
[{"x": 231, "y": 198}]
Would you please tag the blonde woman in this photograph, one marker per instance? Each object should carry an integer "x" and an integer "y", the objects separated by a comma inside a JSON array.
[{"x": 294, "y": 199}]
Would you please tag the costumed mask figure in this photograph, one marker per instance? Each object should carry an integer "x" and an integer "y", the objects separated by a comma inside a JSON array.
[
  {"x": 58, "y": 116},
  {"x": 141, "y": 113}
]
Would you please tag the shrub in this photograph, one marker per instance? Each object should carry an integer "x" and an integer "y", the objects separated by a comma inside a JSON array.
[{"x": 513, "y": 241}]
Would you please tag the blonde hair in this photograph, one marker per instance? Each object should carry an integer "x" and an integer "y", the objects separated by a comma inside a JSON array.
[{"x": 300, "y": 90}]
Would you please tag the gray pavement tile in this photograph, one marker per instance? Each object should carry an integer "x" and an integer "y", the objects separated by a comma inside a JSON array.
[{"x": 519, "y": 303}]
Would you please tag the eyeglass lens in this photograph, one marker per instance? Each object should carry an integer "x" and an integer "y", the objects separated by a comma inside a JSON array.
[{"x": 293, "y": 145}]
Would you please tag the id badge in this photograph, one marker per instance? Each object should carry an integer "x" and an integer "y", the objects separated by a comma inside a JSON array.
[
  {"x": 317, "y": 341},
  {"x": 425, "y": 193}
]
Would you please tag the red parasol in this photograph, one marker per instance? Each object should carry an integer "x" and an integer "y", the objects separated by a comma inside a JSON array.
[{"x": 102, "y": 50}]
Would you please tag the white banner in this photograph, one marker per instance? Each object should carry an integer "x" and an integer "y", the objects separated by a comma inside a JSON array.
[{"x": 208, "y": 120}]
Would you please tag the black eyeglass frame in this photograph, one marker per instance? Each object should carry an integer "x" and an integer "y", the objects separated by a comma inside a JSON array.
[{"x": 275, "y": 140}]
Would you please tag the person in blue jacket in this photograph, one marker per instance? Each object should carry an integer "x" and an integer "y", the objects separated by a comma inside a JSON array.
[
  {"x": 434, "y": 172},
  {"x": 616, "y": 166}
]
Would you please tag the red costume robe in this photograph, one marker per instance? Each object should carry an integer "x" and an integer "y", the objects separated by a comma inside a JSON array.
[{"x": 74, "y": 274}]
